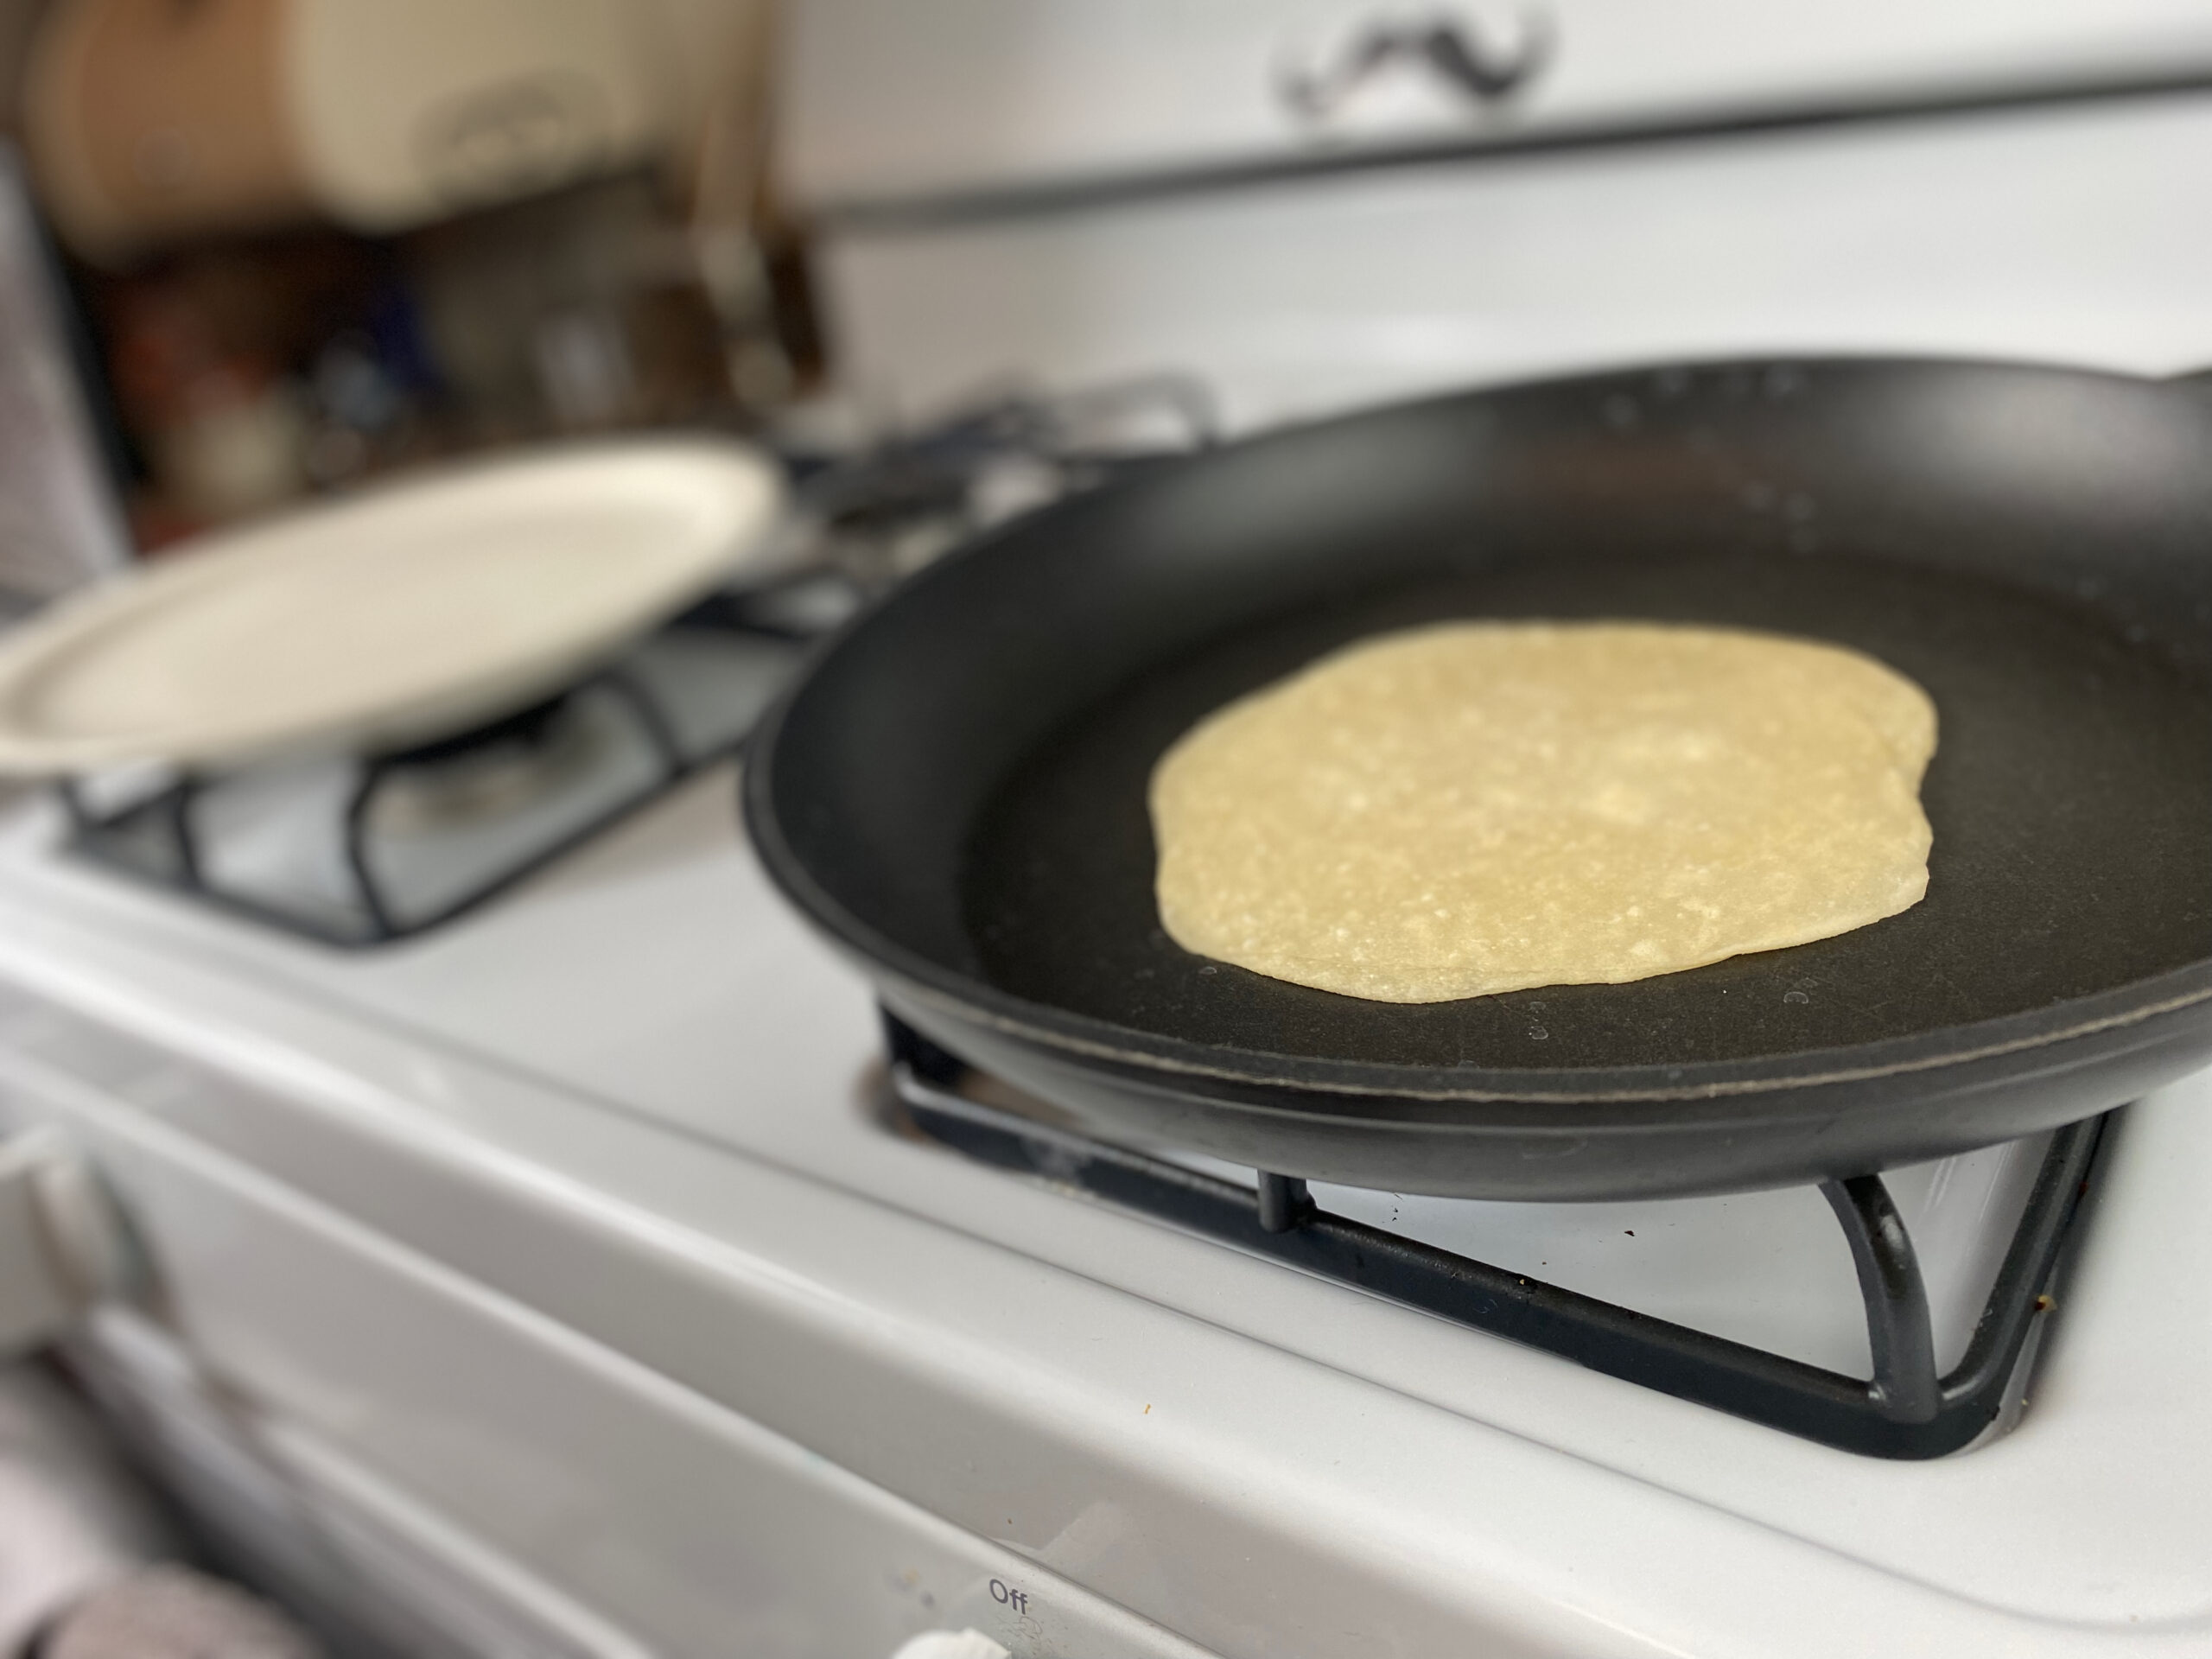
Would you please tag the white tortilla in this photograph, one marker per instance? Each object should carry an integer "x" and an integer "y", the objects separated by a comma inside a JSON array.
[{"x": 1478, "y": 807}]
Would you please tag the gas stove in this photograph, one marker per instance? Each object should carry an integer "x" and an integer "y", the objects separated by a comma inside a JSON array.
[
  {"x": 364, "y": 848},
  {"x": 581, "y": 1275},
  {"x": 581, "y": 1230}
]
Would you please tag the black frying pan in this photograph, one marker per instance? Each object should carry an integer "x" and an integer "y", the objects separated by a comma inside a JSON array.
[{"x": 956, "y": 792}]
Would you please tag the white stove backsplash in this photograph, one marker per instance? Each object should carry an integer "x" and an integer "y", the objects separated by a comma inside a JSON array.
[
  {"x": 887, "y": 103},
  {"x": 2066, "y": 235},
  {"x": 2061, "y": 224}
]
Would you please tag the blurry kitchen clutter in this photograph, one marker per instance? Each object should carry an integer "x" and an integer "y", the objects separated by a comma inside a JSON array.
[
  {"x": 94, "y": 1568},
  {"x": 315, "y": 240},
  {"x": 58, "y": 524}
]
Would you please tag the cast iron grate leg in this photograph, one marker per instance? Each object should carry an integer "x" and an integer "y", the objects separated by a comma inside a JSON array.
[
  {"x": 1906, "y": 1410},
  {"x": 1900, "y": 1331}
]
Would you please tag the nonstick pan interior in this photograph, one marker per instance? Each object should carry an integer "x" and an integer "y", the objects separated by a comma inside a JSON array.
[{"x": 2071, "y": 798}]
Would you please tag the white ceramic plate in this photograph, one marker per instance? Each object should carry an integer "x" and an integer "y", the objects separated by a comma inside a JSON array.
[{"x": 410, "y": 610}]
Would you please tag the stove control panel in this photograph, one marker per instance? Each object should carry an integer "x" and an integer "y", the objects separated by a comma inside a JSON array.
[{"x": 754, "y": 1544}]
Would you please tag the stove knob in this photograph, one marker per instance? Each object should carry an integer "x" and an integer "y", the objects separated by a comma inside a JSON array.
[{"x": 952, "y": 1644}]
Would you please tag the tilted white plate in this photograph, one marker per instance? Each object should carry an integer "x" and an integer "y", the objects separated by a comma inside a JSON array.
[{"x": 410, "y": 610}]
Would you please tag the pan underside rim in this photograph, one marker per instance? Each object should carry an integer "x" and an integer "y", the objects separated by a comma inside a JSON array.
[{"x": 975, "y": 1004}]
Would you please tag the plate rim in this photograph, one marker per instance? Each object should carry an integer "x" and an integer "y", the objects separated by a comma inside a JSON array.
[{"x": 233, "y": 553}]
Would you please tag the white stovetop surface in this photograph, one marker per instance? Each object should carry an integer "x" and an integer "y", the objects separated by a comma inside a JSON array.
[{"x": 647, "y": 1045}]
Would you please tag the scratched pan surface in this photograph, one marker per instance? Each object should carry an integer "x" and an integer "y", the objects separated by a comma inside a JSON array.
[{"x": 956, "y": 792}]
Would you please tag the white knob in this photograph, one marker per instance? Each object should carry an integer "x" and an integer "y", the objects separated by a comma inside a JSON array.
[{"x": 952, "y": 1644}]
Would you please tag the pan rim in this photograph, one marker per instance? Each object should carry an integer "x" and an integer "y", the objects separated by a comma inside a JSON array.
[{"x": 1789, "y": 1074}]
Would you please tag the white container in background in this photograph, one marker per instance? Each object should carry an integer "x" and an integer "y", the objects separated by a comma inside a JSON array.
[{"x": 150, "y": 121}]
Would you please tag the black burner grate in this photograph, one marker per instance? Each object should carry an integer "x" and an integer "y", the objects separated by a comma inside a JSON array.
[
  {"x": 162, "y": 837},
  {"x": 1905, "y": 1411}
]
